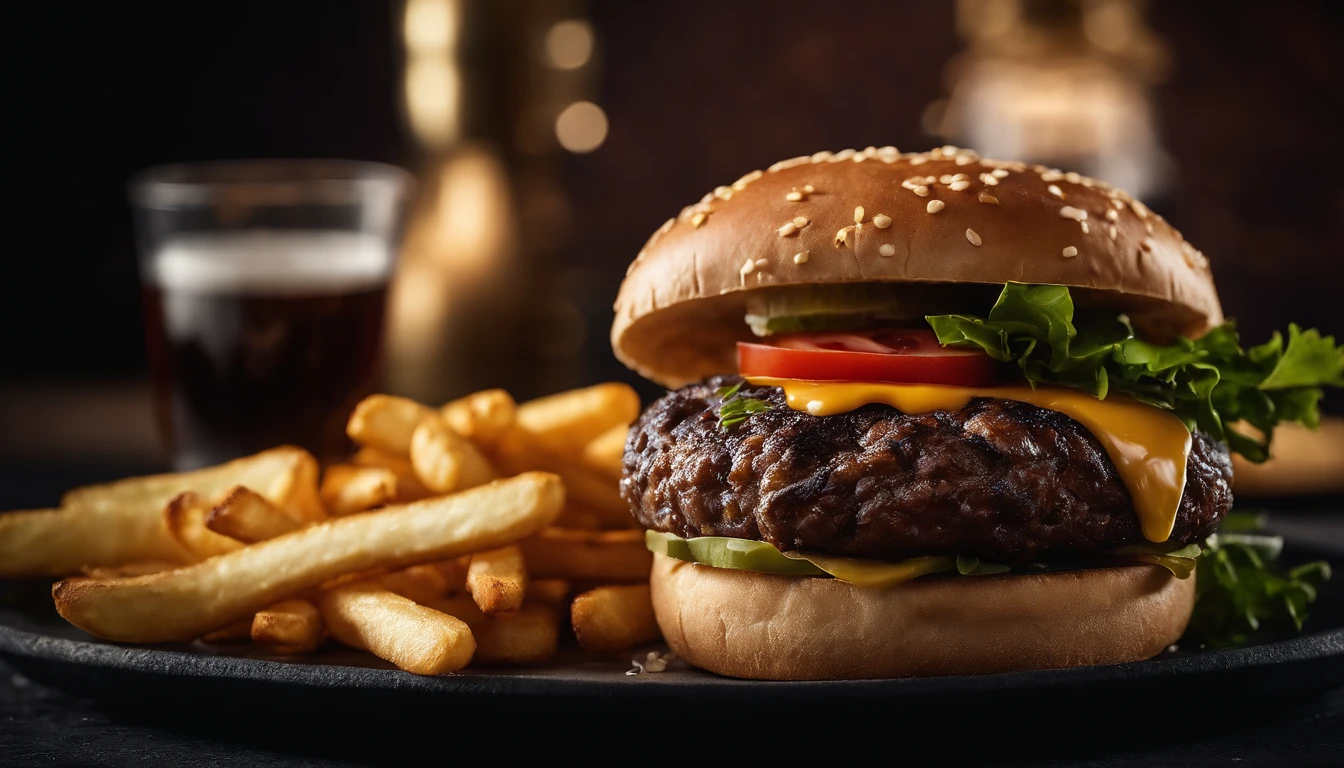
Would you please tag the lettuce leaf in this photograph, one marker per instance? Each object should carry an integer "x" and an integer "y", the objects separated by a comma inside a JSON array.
[{"x": 1209, "y": 383}]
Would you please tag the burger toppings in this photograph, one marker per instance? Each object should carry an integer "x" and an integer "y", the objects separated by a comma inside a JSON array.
[
  {"x": 1209, "y": 383},
  {"x": 908, "y": 355}
]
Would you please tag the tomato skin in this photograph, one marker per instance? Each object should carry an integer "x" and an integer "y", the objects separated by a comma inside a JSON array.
[{"x": 911, "y": 357}]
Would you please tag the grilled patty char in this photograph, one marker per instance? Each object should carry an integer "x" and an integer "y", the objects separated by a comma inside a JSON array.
[{"x": 1004, "y": 480}]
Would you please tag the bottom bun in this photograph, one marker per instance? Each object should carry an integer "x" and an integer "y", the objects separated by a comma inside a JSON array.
[{"x": 765, "y": 627}]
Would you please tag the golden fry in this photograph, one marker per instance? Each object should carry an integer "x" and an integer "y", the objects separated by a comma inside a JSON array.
[
  {"x": 482, "y": 417},
  {"x": 614, "y": 618},
  {"x": 350, "y": 488},
  {"x": 422, "y": 583},
  {"x": 247, "y": 516},
  {"x": 184, "y": 603},
  {"x": 607, "y": 451},
  {"x": 529, "y": 635},
  {"x": 568, "y": 421},
  {"x": 386, "y": 422},
  {"x": 607, "y": 556},
  {"x": 444, "y": 460},
  {"x": 587, "y": 488},
  {"x": 409, "y": 487},
  {"x": 185, "y": 517},
  {"x": 415, "y": 638},
  {"x": 294, "y": 625},
  {"x": 123, "y": 522},
  {"x": 233, "y": 632},
  {"x": 497, "y": 579},
  {"x": 129, "y": 569}
]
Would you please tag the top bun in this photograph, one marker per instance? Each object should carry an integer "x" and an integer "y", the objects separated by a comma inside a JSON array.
[{"x": 954, "y": 217}]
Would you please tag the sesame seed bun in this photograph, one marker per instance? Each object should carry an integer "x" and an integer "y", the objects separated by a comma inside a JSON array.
[
  {"x": 680, "y": 310},
  {"x": 764, "y": 627}
]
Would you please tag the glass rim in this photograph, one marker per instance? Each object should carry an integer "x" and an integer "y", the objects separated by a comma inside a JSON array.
[{"x": 274, "y": 182}]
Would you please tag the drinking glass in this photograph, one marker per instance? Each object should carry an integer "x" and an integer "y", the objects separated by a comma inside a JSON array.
[{"x": 265, "y": 289}]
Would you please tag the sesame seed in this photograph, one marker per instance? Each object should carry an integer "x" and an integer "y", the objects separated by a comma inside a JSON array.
[
  {"x": 1083, "y": 224},
  {"x": 801, "y": 257},
  {"x": 1073, "y": 177},
  {"x": 667, "y": 226},
  {"x": 1147, "y": 244},
  {"x": 1112, "y": 214},
  {"x": 821, "y": 157},
  {"x": 708, "y": 198},
  {"x": 800, "y": 222},
  {"x": 934, "y": 206},
  {"x": 888, "y": 150},
  {"x": 845, "y": 236},
  {"x": 887, "y": 249},
  {"x": 988, "y": 179},
  {"x": 881, "y": 221},
  {"x": 794, "y": 197},
  {"x": 748, "y": 268},
  {"x": 949, "y": 149},
  {"x": 858, "y": 215},
  {"x": 959, "y": 185},
  {"x": 841, "y": 156},
  {"x": 859, "y": 158},
  {"x": 920, "y": 190},
  {"x": 787, "y": 230},
  {"x": 973, "y": 238},
  {"x": 946, "y": 178},
  {"x": 1112, "y": 231},
  {"x": 1051, "y": 175},
  {"x": 869, "y": 151},
  {"x": 1055, "y": 190},
  {"x": 808, "y": 189},
  {"x": 999, "y": 173},
  {"x": 985, "y": 197},
  {"x": 723, "y": 193},
  {"x": 699, "y": 219},
  {"x": 1139, "y": 208},
  {"x": 959, "y": 177},
  {"x": 919, "y": 160},
  {"x": 1070, "y": 252},
  {"x": 1069, "y": 212},
  {"x": 1118, "y": 203},
  {"x": 760, "y": 263},
  {"x": 1148, "y": 225},
  {"x": 964, "y": 160}
]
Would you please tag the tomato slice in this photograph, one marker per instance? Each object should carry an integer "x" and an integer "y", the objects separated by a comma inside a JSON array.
[{"x": 900, "y": 355}]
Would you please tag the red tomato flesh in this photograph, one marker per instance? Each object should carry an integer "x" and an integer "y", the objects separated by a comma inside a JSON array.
[{"x": 898, "y": 355}]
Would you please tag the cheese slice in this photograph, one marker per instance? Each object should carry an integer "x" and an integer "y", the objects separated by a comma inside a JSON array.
[{"x": 1148, "y": 446}]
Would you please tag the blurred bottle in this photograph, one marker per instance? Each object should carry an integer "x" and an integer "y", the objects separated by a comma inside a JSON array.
[
  {"x": 1064, "y": 83},
  {"x": 496, "y": 93}
]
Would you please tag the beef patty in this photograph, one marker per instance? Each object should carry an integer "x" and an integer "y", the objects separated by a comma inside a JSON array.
[{"x": 1007, "y": 481}]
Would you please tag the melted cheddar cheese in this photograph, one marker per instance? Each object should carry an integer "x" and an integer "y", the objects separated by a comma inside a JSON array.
[{"x": 1148, "y": 446}]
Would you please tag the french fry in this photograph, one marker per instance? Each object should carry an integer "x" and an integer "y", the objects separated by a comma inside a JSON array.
[
  {"x": 185, "y": 517},
  {"x": 529, "y": 635},
  {"x": 568, "y": 421},
  {"x": 606, "y": 452},
  {"x": 422, "y": 583},
  {"x": 246, "y": 516},
  {"x": 614, "y": 618},
  {"x": 587, "y": 488},
  {"x": 187, "y": 602},
  {"x": 497, "y": 579},
  {"x": 129, "y": 569},
  {"x": 409, "y": 487},
  {"x": 123, "y": 522},
  {"x": 294, "y": 625},
  {"x": 454, "y": 573},
  {"x": 233, "y": 632},
  {"x": 552, "y": 592},
  {"x": 394, "y": 628},
  {"x": 482, "y": 417},
  {"x": 444, "y": 460},
  {"x": 350, "y": 488},
  {"x": 386, "y": 423},
  {"x": 606, "y": 556}
]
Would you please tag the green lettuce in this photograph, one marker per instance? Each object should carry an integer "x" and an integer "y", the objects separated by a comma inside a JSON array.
[
  {"x": 1209, "y": 383},
  {"x": 1240, "y": 588}
]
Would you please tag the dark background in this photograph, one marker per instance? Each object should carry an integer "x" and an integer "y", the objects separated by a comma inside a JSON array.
[{"x": 697, "y": 93}]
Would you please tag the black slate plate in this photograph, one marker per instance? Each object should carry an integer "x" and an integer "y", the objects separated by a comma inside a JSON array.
[{"x": 42, "y": 646}]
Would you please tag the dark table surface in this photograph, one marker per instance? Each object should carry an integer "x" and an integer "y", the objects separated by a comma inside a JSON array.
[{"x": 45, "y": 726}]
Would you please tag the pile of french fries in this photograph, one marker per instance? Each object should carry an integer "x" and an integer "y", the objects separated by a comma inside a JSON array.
[{"x": 484, "y": 532}]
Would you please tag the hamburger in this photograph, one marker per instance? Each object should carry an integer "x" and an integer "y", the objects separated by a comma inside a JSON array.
[{"x": 936, "y": 414}]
